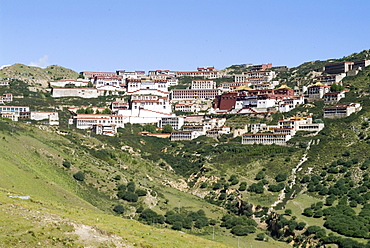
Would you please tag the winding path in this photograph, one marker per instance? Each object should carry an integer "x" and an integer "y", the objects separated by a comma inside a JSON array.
[{"x": 293, "y": 178}]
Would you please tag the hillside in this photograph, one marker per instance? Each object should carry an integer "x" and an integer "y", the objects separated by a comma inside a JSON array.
[
  {"x": 37, "y": 76},
  {"x": 133, "y": 190},
  {"x": 56, "y": 214},
  {"x": 63, "y": 210}
]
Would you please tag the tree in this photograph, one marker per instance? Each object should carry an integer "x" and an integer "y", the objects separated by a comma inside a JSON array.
[
  {"x": 149, "y": 128},
  {"x": 66, "y": 164},
  {"x": 89, "y": 111},
  {"x": 119, "y": 209},
  {"x": 140, "y": 192},
  {"x": 281, "y": 177},
  {"x": 260, "y": 236},
  {"x": 80, "y": 111},
  {"x": 167, "y": 129},
  {"x": 243, "y": 186},
  {"x": 260, "y": 175},
  {"x": 106, "y": 111},
  {"x": 201, "y": 222},
  {"x": 336, "y": 88},
  {"x": 130, "y": 196},
  {"x": 240, "y": 230},
  {"x": 79, "y": 176},
  {"x": 177, "y": 225},
  {"x": 131, "y": 186}
]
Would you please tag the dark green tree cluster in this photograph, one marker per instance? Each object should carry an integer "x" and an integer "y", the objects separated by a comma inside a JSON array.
[
  {"x": 282, "y": 228},
  {"x": 79, "y": 176},
  {"x": 129, "y": 192},
  {"x": 336, "y": 88},
  {"x": 149, "y": 216},
  {"x": 186, "y": 220},
  {"x": 66, "y": 164},
  {"x": 257, "y": 187},
  {"x": 240, "y": 226},
  {"x": 343, "y": 242},
  {"x": 343, "y": 219},
  {"x": 119, "y": 209}
]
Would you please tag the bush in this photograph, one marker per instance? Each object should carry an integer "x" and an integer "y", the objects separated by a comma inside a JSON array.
[
  {"x": 260, "y": 175},
  {"x": 256, "y": 187},
  {"x": 260, "y": 236},
  {"x": 121, "y": 187},
  {"x": 243, "y": 186},
  {"x": 67, "y": 164},
  {"x": 119, "y": 209},
  {"x": 216, "y": 186},
  {"x": 240, "y": 230},
  {"x": 201, "y": 222},
  {"x": 130, "y": 196},
  {"x": 177, "y": 225},
  {"x": 131, "y": 186},
  {"x": 79, "y": 176},
  {"x": 140, "y": 192},
  {"x": 281, "y": 177},
  {"x": 203, "y": 185}
]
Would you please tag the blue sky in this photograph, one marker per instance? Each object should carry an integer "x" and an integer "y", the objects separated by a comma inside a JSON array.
[{"x": 179, "y": 35}]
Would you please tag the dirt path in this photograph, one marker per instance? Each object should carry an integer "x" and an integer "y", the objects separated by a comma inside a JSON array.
[{"x": 292, "y": 177}]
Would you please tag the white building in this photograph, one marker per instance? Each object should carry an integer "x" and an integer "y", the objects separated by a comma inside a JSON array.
[
  {"x": 130, "y": 74},
  {"x": 175, "y": 121},
  {"x": 286, "y": 105},
  {"x": 265, "y": 138},
  {"x": 76, "y": 92},
  {"x": 8, "y": 97},
  {"x": 341, "y": 110},
  {"x": 4, "y": 83},
  {"x": 317, "y": 91},
  {"x": 17, "y": 110},
  {"x": 187, "y": 94},
  {"x": 69, "y": 82},
  {"x": 150, "y": 102},
  {"x": 334, "y": 97},
  {"x": 134, "y": 85},
  {"x": 300, "y": 124},
  {"x": 115, "y": 83},
  {"x": 87, "y": 121},
  {"x": 203, "y": 84},
  {"x": 331, "y": 79},
  {"x": 51, "y": 117},
  {"x": 107, "y": 129},
  {"x": 184, "y": 135}
]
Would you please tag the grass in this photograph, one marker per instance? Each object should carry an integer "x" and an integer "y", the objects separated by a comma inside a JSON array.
[{"x": 41, "y": 223}]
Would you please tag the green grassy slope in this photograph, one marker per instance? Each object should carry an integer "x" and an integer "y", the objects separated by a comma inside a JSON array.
[{"x": 31, "y": 166}]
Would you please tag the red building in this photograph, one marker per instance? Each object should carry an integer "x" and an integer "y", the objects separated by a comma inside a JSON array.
[{"x": 226, "y": 101}]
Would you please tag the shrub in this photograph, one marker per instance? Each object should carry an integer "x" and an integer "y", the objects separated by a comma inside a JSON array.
[
  {"x": 130, "y": 196},
  {"x": 79, "y": 176},
  {"x": 140, "y": 192},
  {"x": 260, "y": 236},
  {"x": 243, "y": 186},
  {"x": 201, "y": 222},
  {"x": 119, "y": 209},
  {"x": 177, "y": 225},
  {"x": 122, "y": 187},
  {"x": 216, "y": 186},
  {"x": 203, "y": 185},
  {"x": 260, "y": 175},
  {"x": 240, "y": 230},
  {"x": 131, "y": 186},
  {"x": 281, "y": 177},
  {"x": 67, "y": 164}
]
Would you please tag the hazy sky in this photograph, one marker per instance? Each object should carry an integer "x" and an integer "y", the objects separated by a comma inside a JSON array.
[{"x": 106, "y": 35}]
